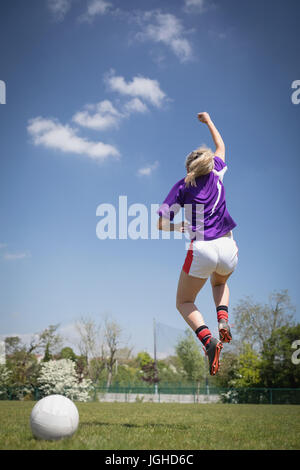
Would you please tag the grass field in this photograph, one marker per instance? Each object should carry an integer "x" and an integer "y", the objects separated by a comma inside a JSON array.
[{"x": 161, "y": 427}]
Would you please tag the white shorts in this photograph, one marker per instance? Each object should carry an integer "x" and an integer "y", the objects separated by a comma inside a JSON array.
[{"x": 205, "y": 257}]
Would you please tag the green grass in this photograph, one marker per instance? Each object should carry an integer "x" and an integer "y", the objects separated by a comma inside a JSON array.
[{"x": 161, "y": 427}]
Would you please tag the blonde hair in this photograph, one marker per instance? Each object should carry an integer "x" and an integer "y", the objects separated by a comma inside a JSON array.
[{"x": 200, "y": 162}]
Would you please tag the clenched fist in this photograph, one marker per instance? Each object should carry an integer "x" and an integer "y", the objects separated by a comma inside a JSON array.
[{"x": 204, "y": 117}]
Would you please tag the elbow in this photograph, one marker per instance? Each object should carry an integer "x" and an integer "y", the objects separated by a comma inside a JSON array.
[
  {"x": 221, "y": 147},
  {"x": 220, "y": 152}
]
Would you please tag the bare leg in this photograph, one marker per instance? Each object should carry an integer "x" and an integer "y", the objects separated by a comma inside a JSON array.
[
  {"x": 220, "y": 289},
  {"x": 221, "y": 297},
  {"x": 188, "y": 288}
]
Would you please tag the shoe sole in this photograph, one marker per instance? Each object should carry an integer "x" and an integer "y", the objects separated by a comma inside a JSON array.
[
  {"x": 216, "y": 362},
  {"x": 224, "y": 335}
]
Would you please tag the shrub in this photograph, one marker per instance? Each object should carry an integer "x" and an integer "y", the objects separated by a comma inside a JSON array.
[{"x": 60, "y": 377}]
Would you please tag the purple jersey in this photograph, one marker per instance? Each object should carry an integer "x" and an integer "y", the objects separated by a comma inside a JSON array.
[{"x": 209, "y": 192}]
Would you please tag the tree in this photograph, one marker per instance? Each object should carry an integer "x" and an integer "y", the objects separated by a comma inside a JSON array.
[
  {"x": 82, "y": 367},
  {"x": 254, "y": 322},
  {"x": 12, "y": 345},
  {"x": 112, "y": 334},
  {"x": 5, "y": 375},
  {"x": 278, "y": 369},
  {"x": 89, "y": 338},
  {"x": 21, "y": 361},
  {"x": 144, "y": 359},
  {"x": 124, "y": 354},
  {"x": 67, "y": 353},
  {"x": 126, "y": 375},
  {"x": 191, "y": 358},
  {"x": 150, "y": 373},
  {"x": 21, "y": 358},
  {"x": 5, "y": 381},
  {"x": 60, "y": 377},
  {"x": 49, "y": 341},
  {"x": 96, "y": 368},
  {"x": 148, "y": 368},
  {"x": 248, "y": 368},
  {"x": 100, "y": 346},
  {"x": 228, "y": 371},
  {"x": 47, "y": 356}
]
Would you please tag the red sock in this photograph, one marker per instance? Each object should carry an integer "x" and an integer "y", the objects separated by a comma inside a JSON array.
[
  {"x": 222, "y": 312},
  {"x": 204, "y": 335}
]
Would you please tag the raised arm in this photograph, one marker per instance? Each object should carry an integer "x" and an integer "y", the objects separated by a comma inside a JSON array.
[
  {"x": 219, "y": 143},
  {"x": 167, "y": 226}
]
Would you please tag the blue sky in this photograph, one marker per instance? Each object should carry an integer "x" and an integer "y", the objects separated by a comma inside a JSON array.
[{"x": 102, "y": 101}]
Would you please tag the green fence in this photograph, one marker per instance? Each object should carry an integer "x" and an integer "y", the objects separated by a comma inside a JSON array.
[
  {"x": 181, "y": 393},
  {"x": 164, "y": 388},
  {"x": 225, "y": 395}
]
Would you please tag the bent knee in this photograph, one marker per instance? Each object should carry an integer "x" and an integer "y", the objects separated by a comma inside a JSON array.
[
  {"x": 180, "y": 304},
  {"x": 217, "y": 279}
]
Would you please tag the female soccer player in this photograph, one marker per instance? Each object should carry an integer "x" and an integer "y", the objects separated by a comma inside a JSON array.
[{"x": 212, "y": 252}]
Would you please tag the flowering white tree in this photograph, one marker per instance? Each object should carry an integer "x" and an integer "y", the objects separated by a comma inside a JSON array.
[
  {"x": 59, "y": 377},
  {"x": 5, "y": 375}
]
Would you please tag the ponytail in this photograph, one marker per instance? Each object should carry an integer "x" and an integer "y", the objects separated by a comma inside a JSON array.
[{"x": 200, "y": 162}]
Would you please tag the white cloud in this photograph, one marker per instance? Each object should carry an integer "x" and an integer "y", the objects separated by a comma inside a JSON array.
[
  {"x": 139, "y": 87},
  {"x": 167, "y": 29},
  {"x": 100, "y": 116},
  {"x": 135, "y": 106},
  {"x": 194, "y": 5},
  {"x": 51, "y": 134},
  {"x": 148, "y": 170},
  {"x": 16, "y": 256},
  {"x": 104, "y": 115},
  {"x": 59, "y": 8},
  {"x": 95, "y": 7}
]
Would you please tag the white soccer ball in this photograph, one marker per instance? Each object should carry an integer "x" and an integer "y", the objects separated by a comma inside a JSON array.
[{"x": 54, "y": 417}]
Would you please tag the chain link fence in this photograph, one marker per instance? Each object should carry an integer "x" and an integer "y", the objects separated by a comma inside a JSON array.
[
  {"x": 170, "y": 393},
  {"x": 195, "y": 394}
]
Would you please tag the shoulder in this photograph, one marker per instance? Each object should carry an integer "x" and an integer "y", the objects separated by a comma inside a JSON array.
[
  {"x": 220, "y": 168},
  {"x": 176, "y": 193},
  {"x": 179, "y": 186},
  {"x": 219, "y": 163}
]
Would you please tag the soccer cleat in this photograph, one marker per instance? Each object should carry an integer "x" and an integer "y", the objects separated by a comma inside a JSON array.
[
  {"x": 213, "y": 353},
  {"x": 224, "y": 331}
]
